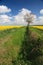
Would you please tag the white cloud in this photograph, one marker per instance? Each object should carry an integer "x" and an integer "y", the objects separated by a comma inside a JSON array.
[
  {"x": 5, "y": 18},
  {"x": 41, "y": 17},
  {"x": 4, "y": 9},
  {"x": 38, "y": 21},
  {"x": 41, "y": 11},
  {"x": 19, "y": 18},
  {"x": 41, "y": 20},
  {"x": 24, "y": 11}
]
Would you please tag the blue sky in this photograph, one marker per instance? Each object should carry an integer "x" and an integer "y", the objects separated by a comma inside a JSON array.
[{"x": 15, "y": 5}]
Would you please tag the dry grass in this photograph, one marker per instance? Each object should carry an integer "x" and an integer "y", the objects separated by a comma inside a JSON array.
[{"x": 6, "y": 52}]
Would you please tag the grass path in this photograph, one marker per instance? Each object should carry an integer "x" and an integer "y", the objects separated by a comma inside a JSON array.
[{"x": 10, "y": 41}]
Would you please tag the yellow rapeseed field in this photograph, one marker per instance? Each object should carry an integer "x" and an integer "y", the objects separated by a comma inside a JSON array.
[
  {"x": 8, "y": 27},
  {"x": 39, "y": 27}
]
